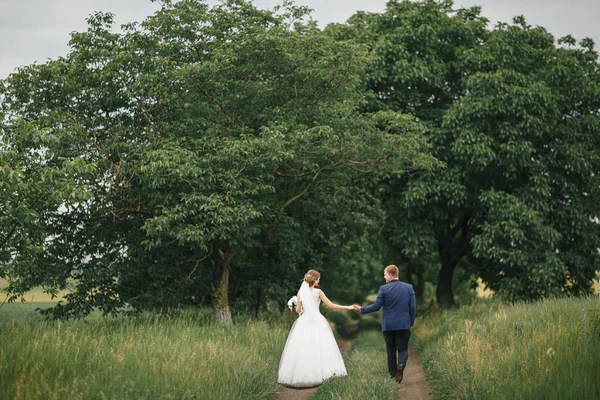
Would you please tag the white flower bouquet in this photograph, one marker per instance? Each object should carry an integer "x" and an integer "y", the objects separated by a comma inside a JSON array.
[{"x": 292, "y": 302}]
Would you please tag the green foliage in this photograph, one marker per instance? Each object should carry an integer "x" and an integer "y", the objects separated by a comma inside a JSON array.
[
  {"x": 207, "y": 150},
  {"x": 513, "y": 114},
  {"x": 33, "y": 185},
  {"x": 228, "y": 148},
  {"x": 369, "y": 324},
  {"x": 543, "y": 350}
]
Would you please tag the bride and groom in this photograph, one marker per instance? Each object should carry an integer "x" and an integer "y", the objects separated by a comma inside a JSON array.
[{"x": 311, "y": 354}]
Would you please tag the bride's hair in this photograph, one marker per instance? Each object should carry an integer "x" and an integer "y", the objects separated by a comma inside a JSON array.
[{"x": 311, "y": 277}]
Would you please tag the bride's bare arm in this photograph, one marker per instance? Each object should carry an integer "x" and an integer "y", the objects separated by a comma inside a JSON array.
[
  {"x": 331, "y": 305},
  {"x": 298, "y": 303}
]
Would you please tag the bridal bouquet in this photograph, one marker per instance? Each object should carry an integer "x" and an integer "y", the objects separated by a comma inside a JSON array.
[{"x": 292, "y": 302}]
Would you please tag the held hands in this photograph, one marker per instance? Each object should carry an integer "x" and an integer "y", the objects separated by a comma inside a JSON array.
[{"x": 355, "y": 307}]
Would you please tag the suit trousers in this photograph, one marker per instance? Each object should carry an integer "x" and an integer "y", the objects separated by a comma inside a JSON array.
[{"x": 396, "y": 345}]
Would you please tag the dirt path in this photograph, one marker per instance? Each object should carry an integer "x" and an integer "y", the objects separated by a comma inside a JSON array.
[{"x": 415, "y": 385}]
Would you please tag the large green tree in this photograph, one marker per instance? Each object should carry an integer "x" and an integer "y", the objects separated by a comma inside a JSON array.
[
  {"x": 229, "y": 150},
  {"x": 514, "y": 115}
]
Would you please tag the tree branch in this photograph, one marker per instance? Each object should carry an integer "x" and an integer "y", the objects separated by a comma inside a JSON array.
[
  {"x": 302, "y": 193},
  {"x": 9, "y": 235},
  {"x": 189, "y": 277},
  {"x": 296, "y": 197},
  {"x": 276, "y": 172}
]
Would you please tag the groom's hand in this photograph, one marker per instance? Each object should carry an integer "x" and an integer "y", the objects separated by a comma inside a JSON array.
[{"x": 356, "y": 307}]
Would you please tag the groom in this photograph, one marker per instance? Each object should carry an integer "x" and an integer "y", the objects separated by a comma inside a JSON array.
[{"x": 399, "y": 310}]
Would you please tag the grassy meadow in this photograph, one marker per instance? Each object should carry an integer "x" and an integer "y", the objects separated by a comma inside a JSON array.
[
  {"x": 36, "y": 295},
  {"x": 488, "y": 350},
  {"x": 181, "y": 356},
  {"x": 177, "y": 356}
]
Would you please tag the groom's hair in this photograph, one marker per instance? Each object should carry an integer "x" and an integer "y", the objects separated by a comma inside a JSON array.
[{"x": 392, "y": 270}]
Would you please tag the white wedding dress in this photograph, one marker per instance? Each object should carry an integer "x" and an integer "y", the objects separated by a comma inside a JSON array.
[{"x": 311, "y": 353}]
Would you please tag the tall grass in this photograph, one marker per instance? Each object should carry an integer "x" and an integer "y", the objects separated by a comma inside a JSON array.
[
  {"x": 547, "y": 350},
  {"x": 366, "y": 364},
  {"x": 157, "y": 357}
]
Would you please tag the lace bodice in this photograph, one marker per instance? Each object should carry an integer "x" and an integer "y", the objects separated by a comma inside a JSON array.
[{"x": 315, "y": 292}]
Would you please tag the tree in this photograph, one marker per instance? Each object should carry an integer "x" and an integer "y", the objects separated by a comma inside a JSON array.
[
  {"x": 513, "y": 115},
  {"x": 32, "y": 185},
  {"x": 224, "y": 137}
]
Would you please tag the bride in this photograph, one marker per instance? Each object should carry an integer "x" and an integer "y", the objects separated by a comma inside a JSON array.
[{"x": 311, "y": 354}]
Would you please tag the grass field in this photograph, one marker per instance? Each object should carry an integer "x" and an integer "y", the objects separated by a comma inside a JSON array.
[
  {"x": 180, "y": 356},
  {"x": 169, "y": 357},
  {"x": 546, "y": 350},
  {"x": 487, "y": 350},
  {"x": 36, "y": 295}
]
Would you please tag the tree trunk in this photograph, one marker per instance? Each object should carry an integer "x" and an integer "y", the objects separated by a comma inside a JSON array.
[
  {"x": 444, "y": 293},
  {"x": 414, "y": 269},
  {"x": 410, "y": 269},
  {"x": 259, "y": 310},
  {"x": 420, "y": 287},
  {"x": 273, "y": 306},
  {"x": 222, "y": 312},
  {"x": 452, "y": 247}
]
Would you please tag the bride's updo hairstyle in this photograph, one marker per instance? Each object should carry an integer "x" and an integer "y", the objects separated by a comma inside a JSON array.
[{"x": 311, "y": 277}]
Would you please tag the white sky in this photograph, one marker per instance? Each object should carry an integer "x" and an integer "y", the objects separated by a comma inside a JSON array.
[{"x": 36, "y": 30}]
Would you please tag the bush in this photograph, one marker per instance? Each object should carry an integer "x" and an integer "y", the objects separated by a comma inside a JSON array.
[{"x": 369, "y": 324}]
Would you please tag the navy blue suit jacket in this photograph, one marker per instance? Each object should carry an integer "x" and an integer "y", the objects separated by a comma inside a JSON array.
[{"x": 399, "y": 306}]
